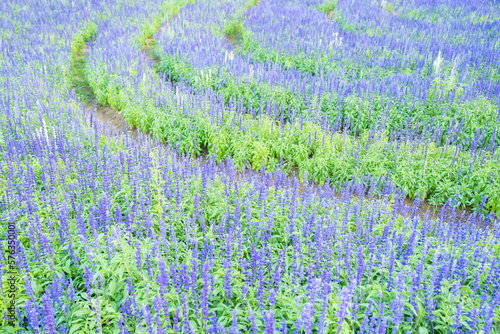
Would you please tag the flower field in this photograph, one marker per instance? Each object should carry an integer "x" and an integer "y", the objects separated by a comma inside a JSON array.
[{"x": 272, "y": 174}]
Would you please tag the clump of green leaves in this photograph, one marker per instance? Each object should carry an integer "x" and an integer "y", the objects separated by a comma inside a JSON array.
[
  {"x": 234, "y": 28},
  {"x": 446, "y": 86},
  {"x": 328, "y": 7},
  {"x": 82, "y": 37},
  {"x": 390, "y": 8}
]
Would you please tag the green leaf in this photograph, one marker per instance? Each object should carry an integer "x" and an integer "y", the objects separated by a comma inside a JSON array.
[
  {"x": 423, "y": 330},
  {"x": 75, "y": 329}
]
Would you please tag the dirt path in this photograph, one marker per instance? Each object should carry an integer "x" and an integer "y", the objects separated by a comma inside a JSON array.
[
  {"x": 110, "y": 119},
  {"x": 114, "y": 123},
  {"x": 114, "y": 120}
]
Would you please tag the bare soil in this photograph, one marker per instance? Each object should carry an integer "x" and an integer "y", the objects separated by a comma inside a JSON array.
[
  {"x": 235, "y": 42},
  {"x": 112, "y": 119}
]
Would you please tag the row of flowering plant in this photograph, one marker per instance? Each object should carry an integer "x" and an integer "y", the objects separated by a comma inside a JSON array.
[
  {"x": 116, "y": 235},
  {"x": 197, "y": 116}
]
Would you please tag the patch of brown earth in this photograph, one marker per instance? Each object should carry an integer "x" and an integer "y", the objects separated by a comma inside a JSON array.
[
  {"x": 112, "y": 119},
  {"x": 235, "y": 42}
]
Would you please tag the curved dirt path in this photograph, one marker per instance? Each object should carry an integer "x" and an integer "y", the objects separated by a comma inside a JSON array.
[{"x": 114, "y": 123}]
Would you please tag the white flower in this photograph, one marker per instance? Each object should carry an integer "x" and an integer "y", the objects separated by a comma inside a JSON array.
[
  {"x": 42, "y": 132},
  {"x": 454, "y": 68},
  {"x": 437, "y": 63},
  {"x": 337, "y": 40},
  {"x": 229, "y": 55}
]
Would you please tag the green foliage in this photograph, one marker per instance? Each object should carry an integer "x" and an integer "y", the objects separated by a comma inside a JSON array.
[
  {"x": 234, "y": 28},
  {"x": 328, "y": 7},
  {"x": 345, "y": 24},
  {"x": 250, "y": 3},
  {"x": 446, "y": 87},
  {"x": 75, "y": 77},
  {"x": 430, "y": 171},
  {"x": 390, "y": 7},
  {"x": 413, "y": 14},
  {"x": 169, "y": 9},
  {"x": 115, "y": 267},
  {"x": 82, "y": 37},
  {"x": 426, "y": 170}
]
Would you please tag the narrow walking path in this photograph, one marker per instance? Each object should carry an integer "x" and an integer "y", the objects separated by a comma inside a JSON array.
[{"x": 112, "y": 122}]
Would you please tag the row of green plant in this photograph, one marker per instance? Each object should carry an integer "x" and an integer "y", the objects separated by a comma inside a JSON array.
[
  {"x": 323, "y": 63},
  {"x": 443, "y": 101},
  {"x": 420, "y": 168},
  {"x": 249, "y": 91},
  {"x": 441, "y": 108},
  {"x": 363, "y": 112},
  {"x": 436, "y": 173},
  {"x": 81, "y": 38}
]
